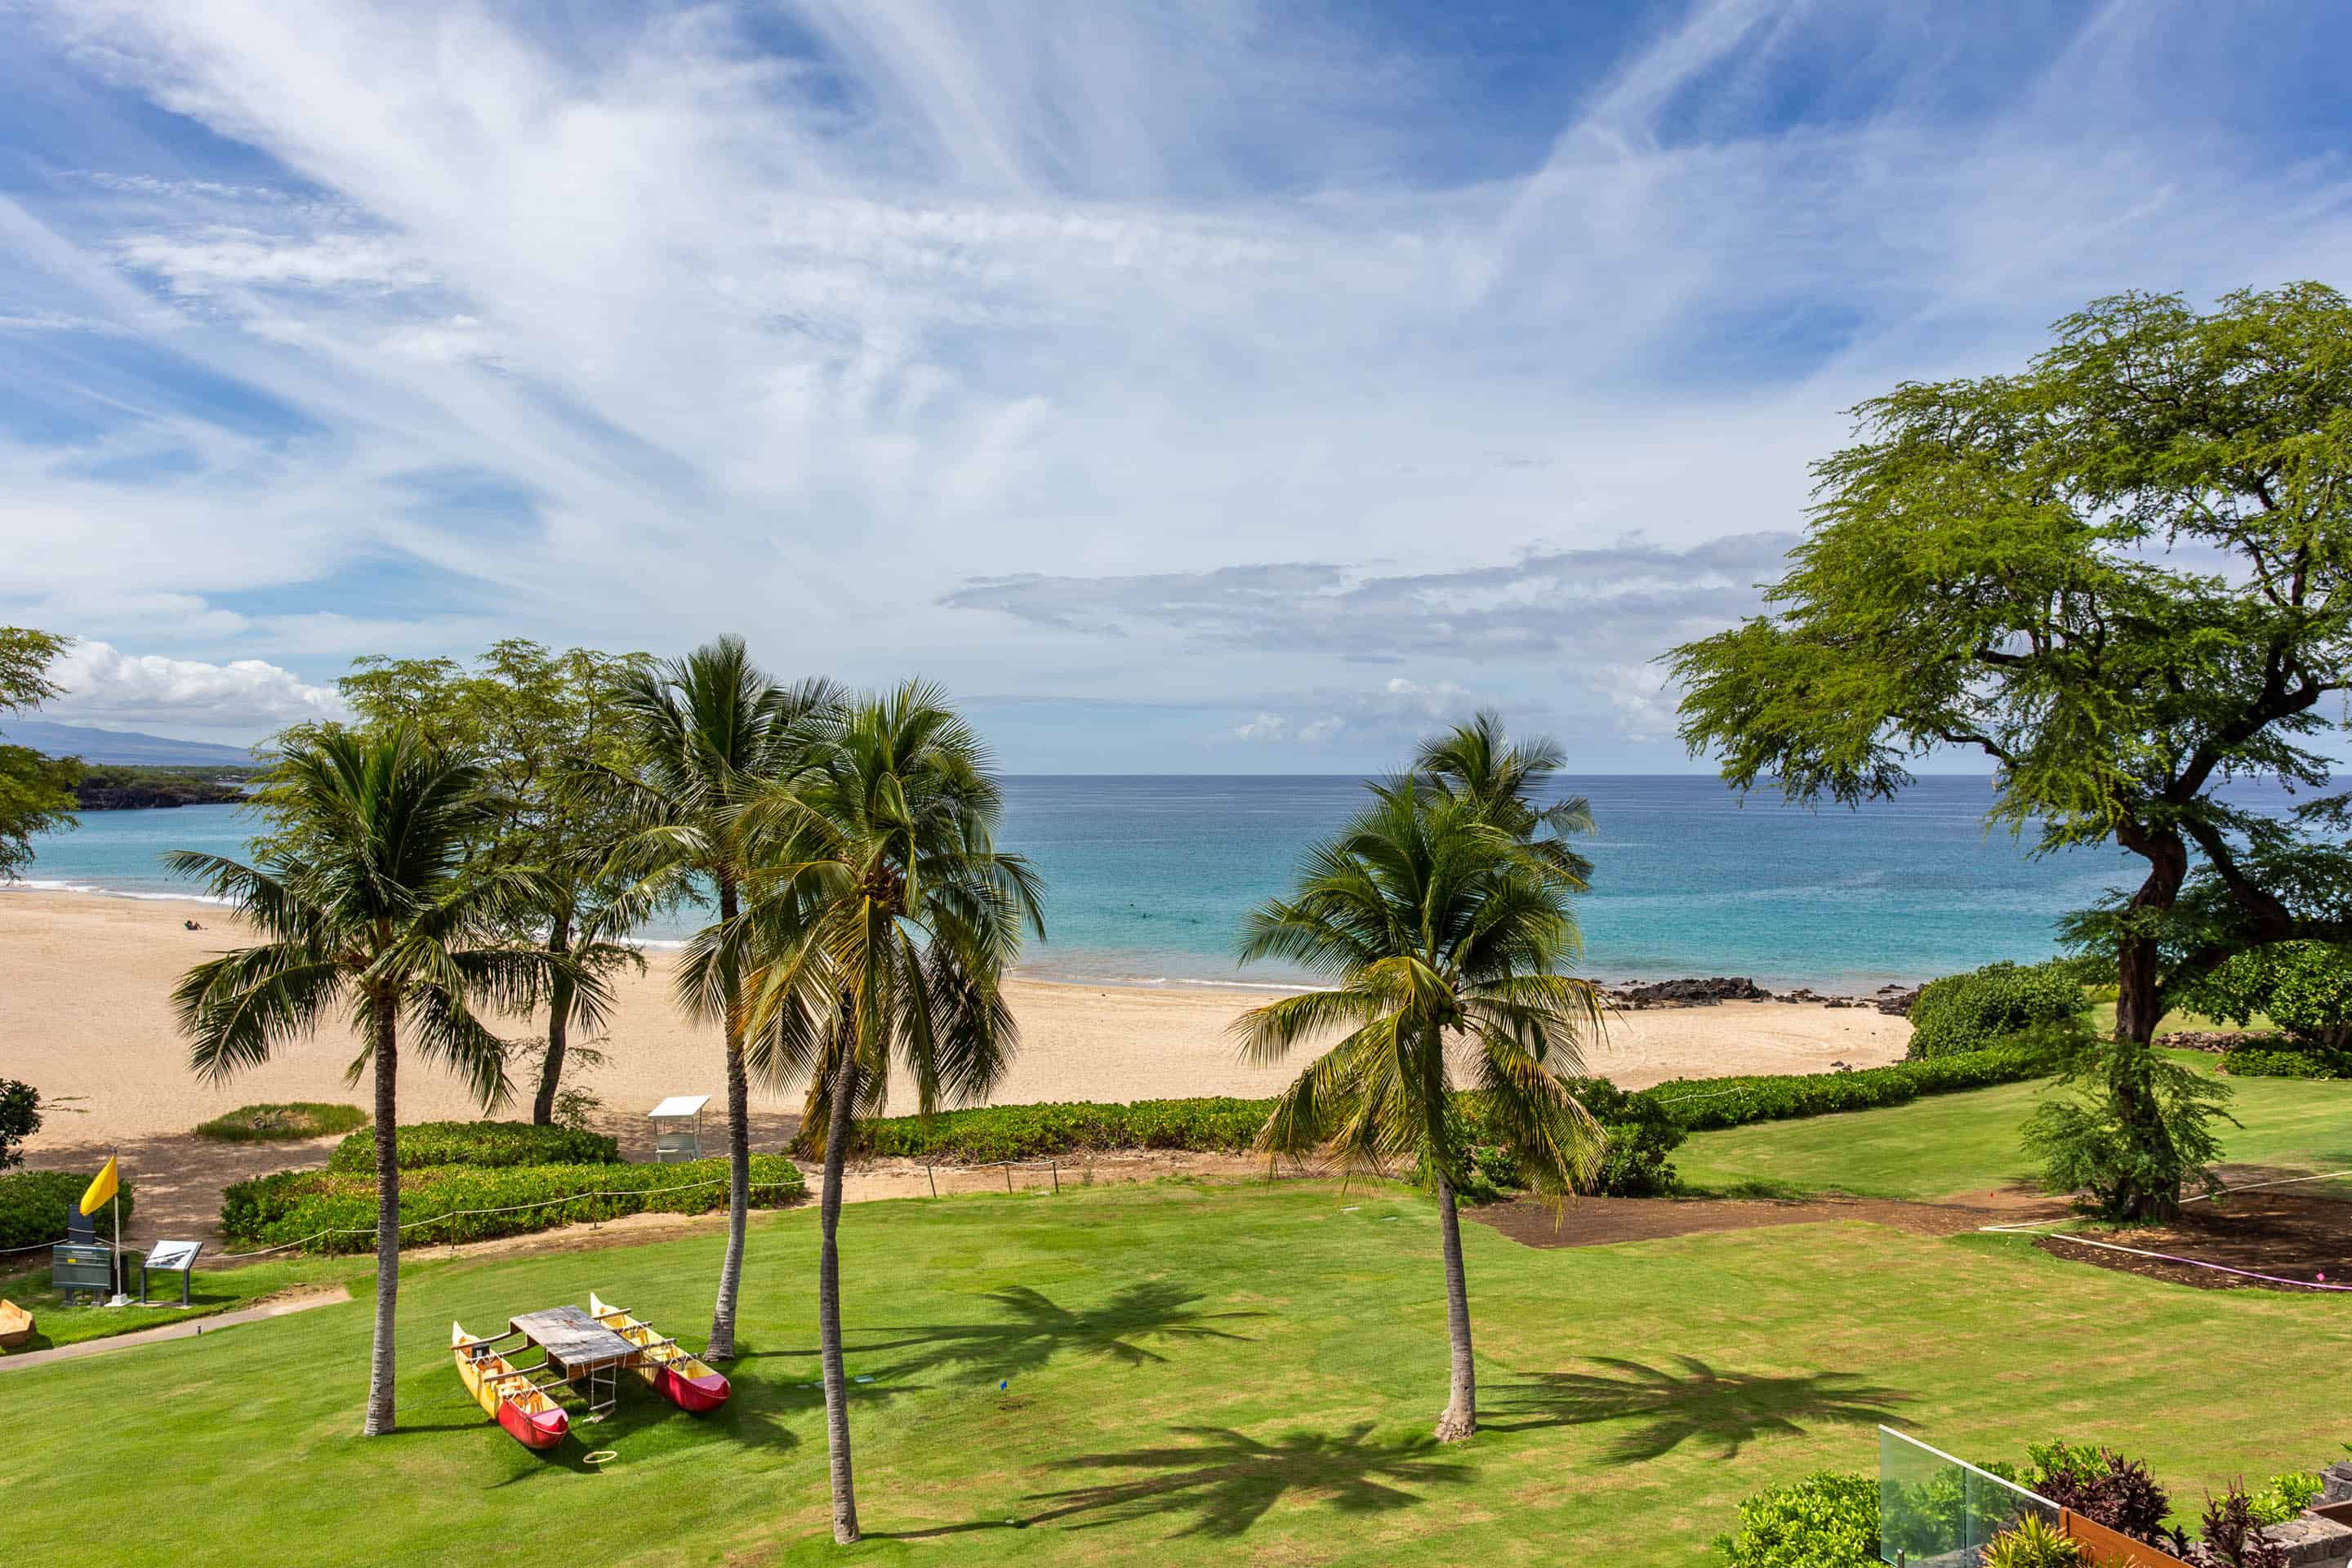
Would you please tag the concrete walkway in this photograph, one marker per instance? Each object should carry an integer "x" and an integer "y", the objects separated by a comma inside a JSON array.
[{"x": 187, "y": 1331}]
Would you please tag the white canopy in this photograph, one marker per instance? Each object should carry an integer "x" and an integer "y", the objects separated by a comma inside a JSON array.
[{"x": 678, "y": 1105}]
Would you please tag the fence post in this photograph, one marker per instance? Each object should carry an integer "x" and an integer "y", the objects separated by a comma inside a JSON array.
[
  {"x": 1008, "y": 1176},
  {"x": 1058, "y": 1178},
  {"x": 932, "y": 1178}
]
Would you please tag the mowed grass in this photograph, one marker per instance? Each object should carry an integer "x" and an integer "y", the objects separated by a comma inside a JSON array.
[
  {"x": 1240, "y": 1375},
  {"x": 1951, "y": 1144},
  {"x": 210, "y": 1292}
]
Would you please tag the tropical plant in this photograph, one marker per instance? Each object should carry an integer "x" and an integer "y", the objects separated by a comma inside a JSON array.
[
  {"x": 2231, "y": 1536},
  {"x": 2140, "y": 1130},
  {"x": 1826, "y": 1521},
  {"x": 1438, "y": 943},
  {"x": 35, "y": 790},
  {"x": 1506, "y": 779},
  {"x": 2031, "y": 1543},
  {"x": 881, "y": 934},
  {"x": 369, "y": 907},
  {"x": 547, "y": 730},
  {"x": 2286, "y": 1496},
  {"x": 2102, "y": 1486},
  {"x": 709, "y": 733}
]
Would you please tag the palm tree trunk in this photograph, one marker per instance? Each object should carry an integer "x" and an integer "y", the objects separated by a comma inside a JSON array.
[
  {"x": 739, "y": 1156},
  {"x": 559, "y": 1029},
  {"x": 387, "y": 1224},
  {"x": 828, "y": 1300},
  {"x": 1460, "y": 1417}
]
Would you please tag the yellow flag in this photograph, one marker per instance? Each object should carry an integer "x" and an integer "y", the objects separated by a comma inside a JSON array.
[{"x": 101, "y": 1189}]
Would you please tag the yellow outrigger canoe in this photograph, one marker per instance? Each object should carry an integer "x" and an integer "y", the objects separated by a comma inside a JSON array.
[
  {"x": 686, "y": 1380},
  {"x": 507, "y": 1393}
]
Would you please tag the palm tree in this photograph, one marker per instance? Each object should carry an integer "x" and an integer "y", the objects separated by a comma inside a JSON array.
[
  {"x": 1477, "y": 763},
  {"x": 712, "y": 730},
  {"x": 371, "y": 903},
  {"x": 1442, "y": 946},
  {"x": 883, "y": 934}
]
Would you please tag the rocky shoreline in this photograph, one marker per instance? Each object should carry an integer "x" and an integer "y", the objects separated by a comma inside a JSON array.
[{"x": 1693, "y": 991}]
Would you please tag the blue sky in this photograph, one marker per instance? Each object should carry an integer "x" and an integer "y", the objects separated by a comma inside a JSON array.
[{"x": 1191, "y": 387}]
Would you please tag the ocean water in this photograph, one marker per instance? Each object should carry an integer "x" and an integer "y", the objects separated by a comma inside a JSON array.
[{"x": 1147, "y": 880}]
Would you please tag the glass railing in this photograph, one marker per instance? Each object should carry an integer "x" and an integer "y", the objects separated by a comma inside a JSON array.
[{"x": 1936, "y": 1511}]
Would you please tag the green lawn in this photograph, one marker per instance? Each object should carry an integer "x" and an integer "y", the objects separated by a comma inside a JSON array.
[
  {"x": 209, "y": 1293},
  {"x": 1954, "y": 1143},
  {"x": 1195, "y": 1373}
]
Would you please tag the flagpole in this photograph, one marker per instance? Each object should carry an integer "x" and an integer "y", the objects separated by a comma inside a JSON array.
[{"x": 122, "y": 1296}]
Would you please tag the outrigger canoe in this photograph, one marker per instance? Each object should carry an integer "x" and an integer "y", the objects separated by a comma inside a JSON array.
[
  {"x": 15, "y": 1325},
  {"x": 507, "y": 1393},
  {"x": 684, "y": 1380}
]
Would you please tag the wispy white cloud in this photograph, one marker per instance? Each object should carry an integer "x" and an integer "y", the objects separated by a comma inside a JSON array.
[
  {"x": 1048, "y": 309},
  {"x": 105, "y": 686}
]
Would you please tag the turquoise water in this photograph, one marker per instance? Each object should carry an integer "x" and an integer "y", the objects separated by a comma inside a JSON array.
[{"x": 1148, "y": 879}]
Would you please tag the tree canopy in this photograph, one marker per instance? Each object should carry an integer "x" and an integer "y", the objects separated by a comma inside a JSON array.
[
  {"x": 2121, "y": 575},
  {"x": 35, "y": 790}
]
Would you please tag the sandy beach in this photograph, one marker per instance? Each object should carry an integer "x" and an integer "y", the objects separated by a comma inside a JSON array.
[{"x": 85, "y": 1017}]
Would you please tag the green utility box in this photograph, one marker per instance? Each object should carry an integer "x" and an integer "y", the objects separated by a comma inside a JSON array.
[{"x": 75, "y": 1267}]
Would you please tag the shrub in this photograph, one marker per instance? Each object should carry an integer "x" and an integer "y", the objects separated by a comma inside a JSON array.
[
  {"x": 20, "y": 1118},
  {"x": 2259, "y": 1061},
  {"x": 484, "y": 1143},
  {"x": 33, "y": 1206},
  {"x": 296, "y": 1205},
  {"x": 1969, "y": 1012},
  {"x": 302, "y": 1119},
  {"x": 992, "y": 1133},
  {"x": 2232, "y": 1537},
  {"x": 1826, "y": 1521},
  {"x": 2303, "y": 987},
  {"x": 2029, "y": 1543},
  {"x": 2102, "y": 1486},
  {"x": 2286, "y": 1497}
]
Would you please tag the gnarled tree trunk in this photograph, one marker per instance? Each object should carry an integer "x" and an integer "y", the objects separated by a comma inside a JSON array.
[
  {"x": 828, "y": 1297},
  {"x": 738, "y": 1157},
  {"x": 1460, "y": 1417},
  {"x": 379, "y": 1413},
  {"x": 559, "y": 1029}
]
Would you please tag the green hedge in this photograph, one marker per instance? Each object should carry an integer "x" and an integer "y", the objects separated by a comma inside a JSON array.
[
  {"x": 428, "y": 1143},
  {"x": 2256, "y": 1061},
  {"x": 293, "y": 1206},
  {"x": 1826, "y": 1521},
  {"x": 1967, "y": 1011},
  {"x": 33, "y": 1206},
  {"x": 993, "y": 1133},
  {"x": 1702, "y": 1104}
]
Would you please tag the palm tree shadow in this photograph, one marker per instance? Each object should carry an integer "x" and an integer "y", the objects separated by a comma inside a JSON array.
[
  {"x": 1697, "y": 1405},
  {"x": 1226, "y": 1482},
  {"x": 1035, "y": 1329}
]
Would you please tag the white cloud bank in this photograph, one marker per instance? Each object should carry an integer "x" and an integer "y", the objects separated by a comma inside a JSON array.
[{"x": 245, "y": 699}]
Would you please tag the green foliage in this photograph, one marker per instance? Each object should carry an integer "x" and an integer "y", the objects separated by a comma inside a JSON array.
[
  {"x": 265, "y": 1123},
  {"x": 35, "y": 790},
  {"x": 128, "y": 786},
  {"x": 1826, "y": 1521},
  {"x": 2257, "y": 1061},
  {"x": 995, "y": 1132},
  {"x": 2029, "y": 1543},
  {"x": 293, "y": 1206},
  {"x": 2286, "y": 1497},
  {"x": 1969, "y": 1012},
  {"x": 2141, "y": 1128},
  {"x": 1700, "y": 1105},
  {"x": 480, "y": 1143},
  {"x": 33, "y": 1205},
  {"x": 2123, "y": 573},
  {"x": 2303, "y": 987},
  {"x": 20, "y": 1118}
]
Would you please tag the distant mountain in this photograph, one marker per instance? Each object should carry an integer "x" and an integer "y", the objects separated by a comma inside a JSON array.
[{"x": 120, "y": 747}]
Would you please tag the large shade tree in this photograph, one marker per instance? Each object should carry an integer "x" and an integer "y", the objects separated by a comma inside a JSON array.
[
  {"x": 883, "y": 929},
  {"x": 1442, "y": 953},
  {"x": 2121, "y": 575},
  {"x": 370, "y": 907},
  {"x": 709, "y": 733}
]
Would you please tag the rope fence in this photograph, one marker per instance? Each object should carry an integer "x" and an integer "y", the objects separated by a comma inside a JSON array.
[{"x": 2045, "y": 1229}]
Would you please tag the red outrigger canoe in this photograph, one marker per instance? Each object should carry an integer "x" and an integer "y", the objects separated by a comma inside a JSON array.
[
  {"x": 686, "y": 1380},
  {"x": 507, "y": 1393}
]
